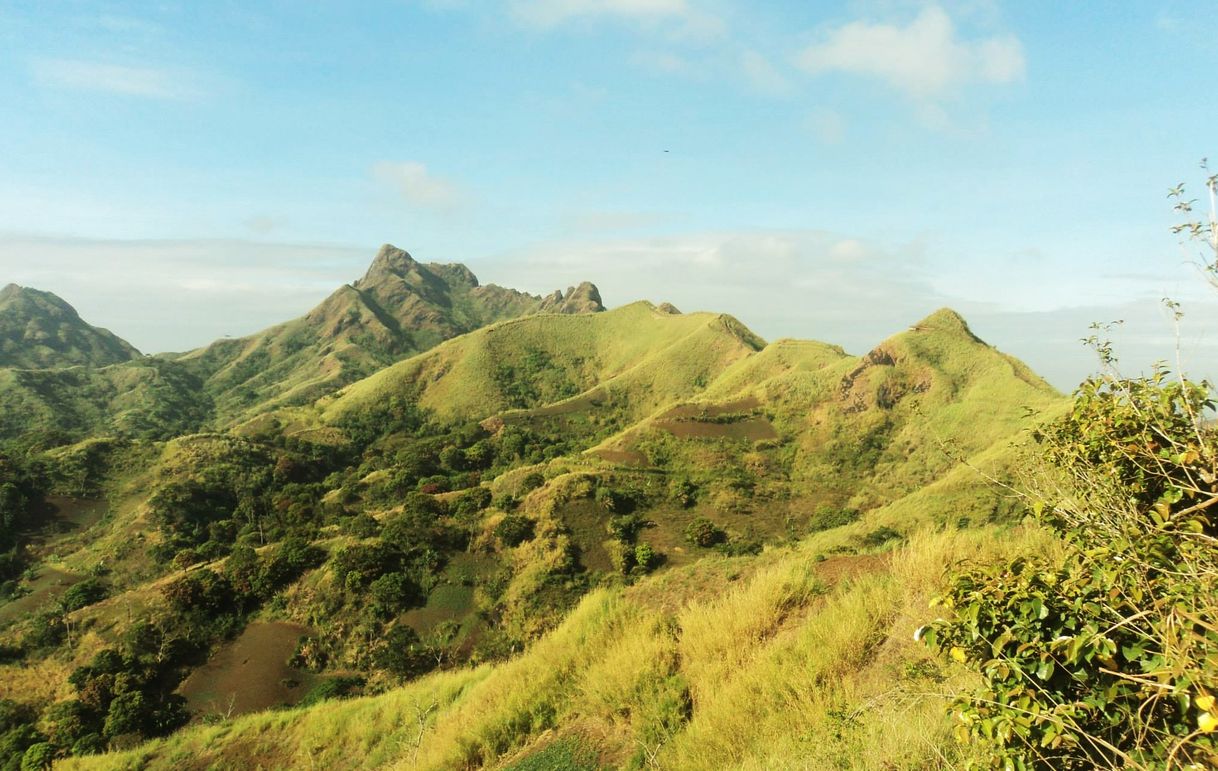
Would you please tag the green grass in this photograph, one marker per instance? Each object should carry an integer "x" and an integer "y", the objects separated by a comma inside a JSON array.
[
  {"x": 634, "y": 358},
  {"x": 784, "y": 668},
  {"x": 799, "y": 652}
]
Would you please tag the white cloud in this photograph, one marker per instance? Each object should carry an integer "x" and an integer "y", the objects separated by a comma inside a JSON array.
[
  {"x": 549, "y": 13},
  {"x": 81, "y": 75},
  {"x": 925, "y": 60},
  {"x": 662, "y": 61},
  {"x": 827, "y": 125},
  {"x": 762, "y": 75},
  {"x": 418, "y": 185},
  {"x": 809, "y": 284},
  {"x": 177, "y": 294}
]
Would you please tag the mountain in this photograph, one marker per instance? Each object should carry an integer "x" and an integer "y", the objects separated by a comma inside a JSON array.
[
  {"x": 557, "y": 466},
  {"x": 400, "y": 307},
  {"x": 608, "y": 529},
  {"x": 628, "y": 361},
  {"x": 38, "y": 330}
]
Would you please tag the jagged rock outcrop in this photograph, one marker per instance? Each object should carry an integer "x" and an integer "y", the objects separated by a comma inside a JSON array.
[{"x": 585, "y": 298}]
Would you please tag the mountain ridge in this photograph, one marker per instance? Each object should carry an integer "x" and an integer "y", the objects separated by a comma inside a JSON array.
[{"x": 40, "y": 330}]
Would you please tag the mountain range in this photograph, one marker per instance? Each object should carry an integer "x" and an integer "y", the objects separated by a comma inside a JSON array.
[{"x": 532, "y": 532}]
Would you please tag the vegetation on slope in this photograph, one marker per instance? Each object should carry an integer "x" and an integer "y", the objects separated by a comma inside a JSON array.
[
  {"x": 400, "y": 307},
  {"x": 451, "y": 510},
  {"x": 38, "y": 330}
]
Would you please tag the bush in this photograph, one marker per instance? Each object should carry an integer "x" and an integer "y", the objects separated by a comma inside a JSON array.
[
  {"x": 38, "y": 757},
  {"x": 531, "y": 482},
  {"x": 626, "y": 527},
  {"x": 404, "y": 655},
  {"x": 1106, "y": 659},
  {"x": 83, "y": 594},
  {"x": 514, "y": 530},
  {"x": 880, "y": 536},
  {"x": 332, "y": 688},
  {"x": 828, "y": 517},
  {"x": 702, "y": 532},
  {"x": 645, "y": 557}
]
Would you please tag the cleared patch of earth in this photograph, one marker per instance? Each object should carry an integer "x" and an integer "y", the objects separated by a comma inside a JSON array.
[
  {"x": 755, "y": 428},
  {"x": 47, "y": 587},
  {"x": 250, "y": 673}
]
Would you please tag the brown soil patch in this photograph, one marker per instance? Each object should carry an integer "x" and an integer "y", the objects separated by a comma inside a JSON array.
[
  {"x": 622, "y": 457},
  {"x": 695, "y": 411},
  {"x": 251, "y": 673},
  {"x": 45, "y": 589},
  {"x": 752, "y": 429},
  {"x": 75, "y": 513}
]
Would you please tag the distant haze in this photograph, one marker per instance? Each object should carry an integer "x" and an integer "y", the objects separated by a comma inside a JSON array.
[{"x": 176, "y": 295}]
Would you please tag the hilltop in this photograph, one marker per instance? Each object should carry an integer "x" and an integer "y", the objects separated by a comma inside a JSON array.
[
  {"x": 399, "y": 307},
  {"x": 38, "y": 330}
]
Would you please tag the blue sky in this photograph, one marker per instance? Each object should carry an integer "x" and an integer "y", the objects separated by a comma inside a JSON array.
[{"x": 833, "y": 170}]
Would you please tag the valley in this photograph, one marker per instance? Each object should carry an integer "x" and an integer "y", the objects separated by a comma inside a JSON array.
[{"x": 424, "y": 491}]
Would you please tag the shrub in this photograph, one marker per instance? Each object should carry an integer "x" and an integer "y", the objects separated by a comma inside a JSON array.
[
  {"x": 404, "y": 655},
  {"x": 702, "y": 532},
  {"x": 827, "y": 517},
  {"x": 626, "y": 527},
  {"x": 38, "y": 757},
  {"x": 83, "y": 594},
  {"x": 645, "y": 557},
  {"x": 332, "y": 688},
  {"x": 531, "y": 482},
  {"x": 880, "y": 536},
  {"x": 514, "y": 530},
  {"x": 1106, "y": 659}
]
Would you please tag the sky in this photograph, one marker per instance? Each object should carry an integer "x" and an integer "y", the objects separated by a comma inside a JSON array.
[{"x": 828, "y": 170}]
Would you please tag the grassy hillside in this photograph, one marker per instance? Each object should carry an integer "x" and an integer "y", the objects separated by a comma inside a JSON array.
[
  {"x": 702, "y": 512},
  {"x": 400, "y": 307},
  {"x": 634, "y": 358},
  {"x": 147, "y": 398},
  {"x": 39, "y": 330},
  {"x": 783, "y": 660}
]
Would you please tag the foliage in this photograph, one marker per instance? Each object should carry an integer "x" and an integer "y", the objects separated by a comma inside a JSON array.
[
  {"x": 1108, "y": 658},
  {"x": 827, "y": 517},
  {"x": 703, "y": 532},
  {"x": 514, "y": 529}
]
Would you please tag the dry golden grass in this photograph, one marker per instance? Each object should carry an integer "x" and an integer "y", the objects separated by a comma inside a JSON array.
[{"x": 782, "y": 670}]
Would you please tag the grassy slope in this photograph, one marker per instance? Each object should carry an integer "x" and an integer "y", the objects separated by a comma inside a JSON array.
[
  {"x": 634, "y": 356},
  {"x": 399, "y": 308},
  {"x": 773, "y": 661},
  {"x": 861, "y": 431},
  {"x": 141, "y": 399},
  {"x": 39, "y": 330},
  {"x": 778, "y": 656}
]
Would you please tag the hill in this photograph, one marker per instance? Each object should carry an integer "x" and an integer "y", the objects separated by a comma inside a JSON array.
[
  {"x": 564, "y": 513},
  {"x": 38, "y": 330},
  {"x": 400, "y": 307}
]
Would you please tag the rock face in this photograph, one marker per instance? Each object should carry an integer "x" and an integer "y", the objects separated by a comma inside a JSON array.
[
  {"x": 668, "y": 308},
  {"x": 585, "y": 298},
  {"x": 38, "y": 330}
]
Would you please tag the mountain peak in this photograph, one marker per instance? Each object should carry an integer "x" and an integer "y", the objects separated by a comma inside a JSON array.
[
  {"x": 389, "y": 261},
  {"x": 40, "y": 329},
  {"x": 944, "y": 320},
  {"x": 585, "y": 298}
]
